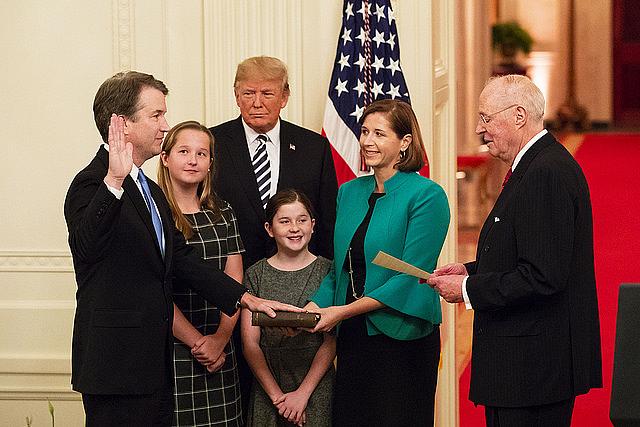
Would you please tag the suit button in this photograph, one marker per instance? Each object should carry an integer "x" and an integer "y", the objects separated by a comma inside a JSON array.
[
  {"x": 481, "y": 331},
  {"x": 166, "y": 319},
  {"x": 486, "y": 248}
]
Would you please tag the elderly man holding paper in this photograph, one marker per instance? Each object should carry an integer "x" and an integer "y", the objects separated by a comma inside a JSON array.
[
  {"x": 536, "y": 333},
  {"x": 388, "y": 342}
]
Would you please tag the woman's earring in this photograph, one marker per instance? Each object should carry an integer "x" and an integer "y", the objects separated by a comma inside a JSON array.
[{"x": 402, "y": 154}]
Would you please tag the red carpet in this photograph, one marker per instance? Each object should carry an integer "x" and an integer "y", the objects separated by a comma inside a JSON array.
[{"x": 610, "y": 163}]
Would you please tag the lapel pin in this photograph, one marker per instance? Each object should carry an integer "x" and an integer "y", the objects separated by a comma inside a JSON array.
[
  {"x": 292, "y": 147},
  {"x": 496, "y": 219}
]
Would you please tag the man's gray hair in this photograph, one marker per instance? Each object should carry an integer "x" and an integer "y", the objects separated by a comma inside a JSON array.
[{"x": 517, "y": 89}]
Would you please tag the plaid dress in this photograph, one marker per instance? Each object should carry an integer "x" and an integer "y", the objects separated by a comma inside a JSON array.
[{"x": 202, "y": 398}]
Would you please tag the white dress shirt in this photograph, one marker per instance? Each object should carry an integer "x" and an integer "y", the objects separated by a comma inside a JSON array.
[{"x": 273, "y": 151}]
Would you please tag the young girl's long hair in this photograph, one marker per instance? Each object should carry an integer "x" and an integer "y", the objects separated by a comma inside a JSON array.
[{"x": 208, "y": 198}]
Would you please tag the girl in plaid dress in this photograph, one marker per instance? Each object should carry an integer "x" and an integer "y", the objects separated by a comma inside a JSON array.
[{"x": 206, "y": 389}]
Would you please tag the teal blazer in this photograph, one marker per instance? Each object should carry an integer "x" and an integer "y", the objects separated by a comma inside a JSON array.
[{"x": 409, "y": 222}]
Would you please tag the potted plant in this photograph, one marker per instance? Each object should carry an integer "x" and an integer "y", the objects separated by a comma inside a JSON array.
[{"x": 509, "y": 38}]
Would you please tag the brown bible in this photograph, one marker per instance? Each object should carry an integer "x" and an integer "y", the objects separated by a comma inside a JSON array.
[{"x": 286, "y": 319}]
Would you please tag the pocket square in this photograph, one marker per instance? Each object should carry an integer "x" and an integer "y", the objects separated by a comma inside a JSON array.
[{"x": 496, "y": 219}]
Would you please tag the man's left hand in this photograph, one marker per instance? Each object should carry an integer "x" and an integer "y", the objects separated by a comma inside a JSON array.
[
  {"x": 449, "y": 287},
  {"x": 253, "y": 303}
]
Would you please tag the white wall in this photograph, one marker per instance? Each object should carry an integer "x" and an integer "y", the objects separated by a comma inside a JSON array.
[{"x": 56, "y": 53}]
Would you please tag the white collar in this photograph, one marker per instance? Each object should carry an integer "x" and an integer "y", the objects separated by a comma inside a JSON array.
[
  {"x": 524, "y": 149},
  {"x": 273, "y": 134}
]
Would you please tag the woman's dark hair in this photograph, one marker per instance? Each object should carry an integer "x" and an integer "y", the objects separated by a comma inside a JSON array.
[{"x": 285, "y": 197}]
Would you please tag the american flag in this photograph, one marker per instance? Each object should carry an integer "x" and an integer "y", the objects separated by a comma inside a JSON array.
[{"x": 367, "y": 68}]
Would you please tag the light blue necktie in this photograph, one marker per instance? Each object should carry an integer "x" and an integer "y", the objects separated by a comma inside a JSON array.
[{"x": 157, "y": 224}]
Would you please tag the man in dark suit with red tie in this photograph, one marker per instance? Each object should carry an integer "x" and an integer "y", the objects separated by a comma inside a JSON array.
[
  {"x": 126, "y": 252},
  {"x": 536, "y": 333}
]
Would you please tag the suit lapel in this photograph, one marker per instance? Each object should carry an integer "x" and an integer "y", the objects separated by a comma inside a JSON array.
[
  {"x": 287, "y": 155},
  {"x": 241, "y": 160},
  {"x": 510, "y": 187},
  {"x": 528, "y": 157},
  {"x": 131, "y": 190}
]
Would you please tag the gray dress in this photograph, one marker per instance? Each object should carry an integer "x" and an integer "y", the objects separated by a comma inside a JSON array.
[{"x": 289, "y": 358}]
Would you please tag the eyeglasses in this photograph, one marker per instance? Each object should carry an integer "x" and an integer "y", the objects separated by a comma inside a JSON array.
[{"x": 486, "y": 118}]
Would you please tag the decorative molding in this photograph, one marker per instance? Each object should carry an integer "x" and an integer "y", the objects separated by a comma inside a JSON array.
[
  {"x": 29, "y": 262},
  {"x": 41, "y": 378},
  {"x": 39, "y": 393},
  {"x": 443, "y": 97},
  {"x": 38, "y": 305},
  {"x": 123, "y": 35},
  {"x": 441, "y": 47},
  {"x": 166, "y": 32},
  {"x": 48, "y": 366}
]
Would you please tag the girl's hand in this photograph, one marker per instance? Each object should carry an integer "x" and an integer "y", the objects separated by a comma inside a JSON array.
[
  {"x": 218, "y": 364},
  {"x": 292, "y": 406},
  {"x": 209, "y": 349}
]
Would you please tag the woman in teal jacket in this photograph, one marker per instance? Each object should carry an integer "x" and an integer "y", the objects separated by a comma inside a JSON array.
[{"x": 388, "y": 344}]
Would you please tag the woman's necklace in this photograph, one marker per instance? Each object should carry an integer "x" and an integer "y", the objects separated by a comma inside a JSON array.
[{"x": 353, "y": 288}]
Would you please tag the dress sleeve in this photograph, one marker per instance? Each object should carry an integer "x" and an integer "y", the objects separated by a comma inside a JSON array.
[
  {"x": 234, "y": 242},
  {"x": 426, "y": 230},
  {"x": 325, "y": 295},
  {"x": 251, "y": 279}
]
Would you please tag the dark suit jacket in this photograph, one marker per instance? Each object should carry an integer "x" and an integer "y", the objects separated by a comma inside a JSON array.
[
  {"x": 122, "y": 327},
  {"x": 536, "y": 333},
  {"x": 307, "y": 167}
]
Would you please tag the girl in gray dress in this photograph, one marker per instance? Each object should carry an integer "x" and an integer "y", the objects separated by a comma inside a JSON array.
[{"x": 294, "y": 372}]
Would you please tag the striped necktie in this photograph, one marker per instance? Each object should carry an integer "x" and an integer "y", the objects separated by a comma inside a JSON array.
[
  {"x": 155, "y": 218},
  {"x": 262, "y": 169}
]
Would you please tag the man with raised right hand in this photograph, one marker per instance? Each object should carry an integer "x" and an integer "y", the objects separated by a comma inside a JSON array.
[{"x": 126, "y": 252}]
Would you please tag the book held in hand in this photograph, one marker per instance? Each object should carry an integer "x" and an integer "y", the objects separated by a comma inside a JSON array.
[{"x": 286, "y": 319}]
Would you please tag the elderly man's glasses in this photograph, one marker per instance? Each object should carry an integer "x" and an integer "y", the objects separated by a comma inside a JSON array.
[{"x": 486, "y": 118}]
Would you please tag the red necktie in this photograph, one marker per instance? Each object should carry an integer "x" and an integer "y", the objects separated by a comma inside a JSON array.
[{"x": 506, "y": 178}]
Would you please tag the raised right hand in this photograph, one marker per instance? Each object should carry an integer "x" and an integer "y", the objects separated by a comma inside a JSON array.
[{"x": 120, "y": 153}]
